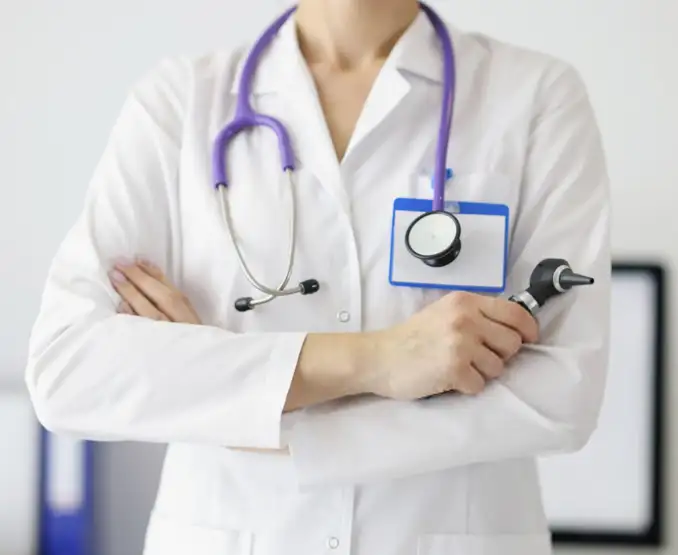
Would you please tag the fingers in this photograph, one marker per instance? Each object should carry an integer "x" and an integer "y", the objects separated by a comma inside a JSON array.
[
  {"x": 512, "y": 315},
  {"x": 502, "y": 340},
  {"x": 153, "y": 271},
  {"x": 486, "y": 366},
  {"x": 135, "y": 299},
  {"x": 488, "y": 363},
  {"x": 471, "y": 383},
  {"x": 150, "y": 294},
  {"x": 151, "y": 283},
  {"x": 125, "y": 308},
  {"x": 153, "y": 288}
]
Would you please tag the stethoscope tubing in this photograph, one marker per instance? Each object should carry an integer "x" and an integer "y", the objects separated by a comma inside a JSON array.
[
  {"x": 447, "y": 112},
  {"x": 246, "y": 117},
  {"x": 280, "y": 290}
]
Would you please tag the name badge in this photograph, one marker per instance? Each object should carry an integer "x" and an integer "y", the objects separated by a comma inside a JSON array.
[{"x": 481, "y": 263}]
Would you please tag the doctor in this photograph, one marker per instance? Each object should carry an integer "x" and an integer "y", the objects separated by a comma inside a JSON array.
[{"x": 299, "y": 426}]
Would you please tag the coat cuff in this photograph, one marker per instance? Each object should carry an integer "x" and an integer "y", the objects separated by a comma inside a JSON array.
[
  {"x": 319, "y": 449},
  {"x": 266, "y": 430}
]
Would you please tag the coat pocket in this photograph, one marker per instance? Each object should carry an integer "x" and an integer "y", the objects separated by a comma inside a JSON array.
[
  {"x": 169, "y": 536},
  {"x": 462, "y": 544}
]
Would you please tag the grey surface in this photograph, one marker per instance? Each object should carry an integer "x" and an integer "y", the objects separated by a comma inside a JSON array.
[{"x": 125, "y": 489}]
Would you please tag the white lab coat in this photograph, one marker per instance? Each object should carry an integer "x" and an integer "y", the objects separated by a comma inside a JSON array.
[{"x": 451, "y": 475}]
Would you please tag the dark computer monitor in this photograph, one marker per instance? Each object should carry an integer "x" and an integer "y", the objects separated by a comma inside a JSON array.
[{"x": 611, "y": 491}]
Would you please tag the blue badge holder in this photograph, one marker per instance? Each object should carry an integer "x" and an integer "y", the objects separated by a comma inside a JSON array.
[{"x": 482, "y": 262}]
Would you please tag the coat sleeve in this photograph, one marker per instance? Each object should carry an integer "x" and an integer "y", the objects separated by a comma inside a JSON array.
[
  {"x": 103, "y": 376},
  {"x": 549, "y": 399}
]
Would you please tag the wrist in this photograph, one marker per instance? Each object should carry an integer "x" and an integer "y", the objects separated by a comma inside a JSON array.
[
  {"x": 369, "y": 351},
  {"x": 332, "y": 366},
  {"x": 351, "y": 358}
]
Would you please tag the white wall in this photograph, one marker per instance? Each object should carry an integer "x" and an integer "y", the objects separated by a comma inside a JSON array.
[{"x": 65, "y": 66}]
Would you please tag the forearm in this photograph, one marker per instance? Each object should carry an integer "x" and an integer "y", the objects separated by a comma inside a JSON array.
[
  {"x": 103, "y": 376},
  {"x": 331, "y": 366},
  {"x": 112, "y": 377}
]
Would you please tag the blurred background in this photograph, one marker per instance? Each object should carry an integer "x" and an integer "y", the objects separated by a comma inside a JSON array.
[{"x": 65, "y": 67}]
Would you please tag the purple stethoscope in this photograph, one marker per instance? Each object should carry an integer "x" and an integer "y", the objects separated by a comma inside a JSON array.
[{"x": 433, "y": 237}]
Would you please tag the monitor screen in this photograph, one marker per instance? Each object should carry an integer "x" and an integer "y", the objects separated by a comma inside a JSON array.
[{"x": 609, "y": 491}]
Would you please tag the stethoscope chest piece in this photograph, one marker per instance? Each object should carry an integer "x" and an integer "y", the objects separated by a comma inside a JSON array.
[{"x": 434, "y": 238}]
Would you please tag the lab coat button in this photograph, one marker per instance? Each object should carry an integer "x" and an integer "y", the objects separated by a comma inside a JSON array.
[
  {"x": 344, "y": 317},
  {"x": 333, "y": 543}
]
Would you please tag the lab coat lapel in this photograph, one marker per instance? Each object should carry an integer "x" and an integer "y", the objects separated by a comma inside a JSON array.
[
  {"x": 417, "y": 52},
  {"x": 418, "y": 58},
  {"x": 388, "y": 91},
  {"x": 313, "y": 142}
]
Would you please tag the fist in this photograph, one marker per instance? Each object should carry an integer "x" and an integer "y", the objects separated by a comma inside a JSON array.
[{"x": 458, "y": 343}]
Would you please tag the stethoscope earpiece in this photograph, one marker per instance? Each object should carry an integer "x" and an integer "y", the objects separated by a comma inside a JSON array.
[
  {"x": 244, "y": 304},
  {"x": 434, "y": 238},
  {"x": 309, "y": 287}
]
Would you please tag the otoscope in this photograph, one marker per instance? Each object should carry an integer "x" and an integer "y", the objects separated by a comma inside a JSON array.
[{"x": 550, "y": 278}]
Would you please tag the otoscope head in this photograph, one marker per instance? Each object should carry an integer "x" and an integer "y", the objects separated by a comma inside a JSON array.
[
  {"x": 568, "y": 279},
  {"x": 546, "y": 269},
  {"x": 557, "y": 272},
  {"x": 550, "y": 278}
]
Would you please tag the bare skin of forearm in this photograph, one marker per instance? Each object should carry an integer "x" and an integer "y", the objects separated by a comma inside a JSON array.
[{"x": 330, "y": 367}]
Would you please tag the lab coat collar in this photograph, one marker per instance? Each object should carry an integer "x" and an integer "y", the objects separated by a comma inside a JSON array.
[{"x": 418, "y": 53}]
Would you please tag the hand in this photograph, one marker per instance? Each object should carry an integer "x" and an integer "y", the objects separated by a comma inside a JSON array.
[
  {"x": 457, "y": 343},
  {"x": 146, "y": 292}
]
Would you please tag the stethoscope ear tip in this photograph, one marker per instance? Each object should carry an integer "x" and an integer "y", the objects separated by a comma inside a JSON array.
[
  {"x": 244, "y": 304},
  {"x": 309, "y": 287}
]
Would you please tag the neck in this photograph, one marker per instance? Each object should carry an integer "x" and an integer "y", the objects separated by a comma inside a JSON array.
[{"x": 347, "y": 34}]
